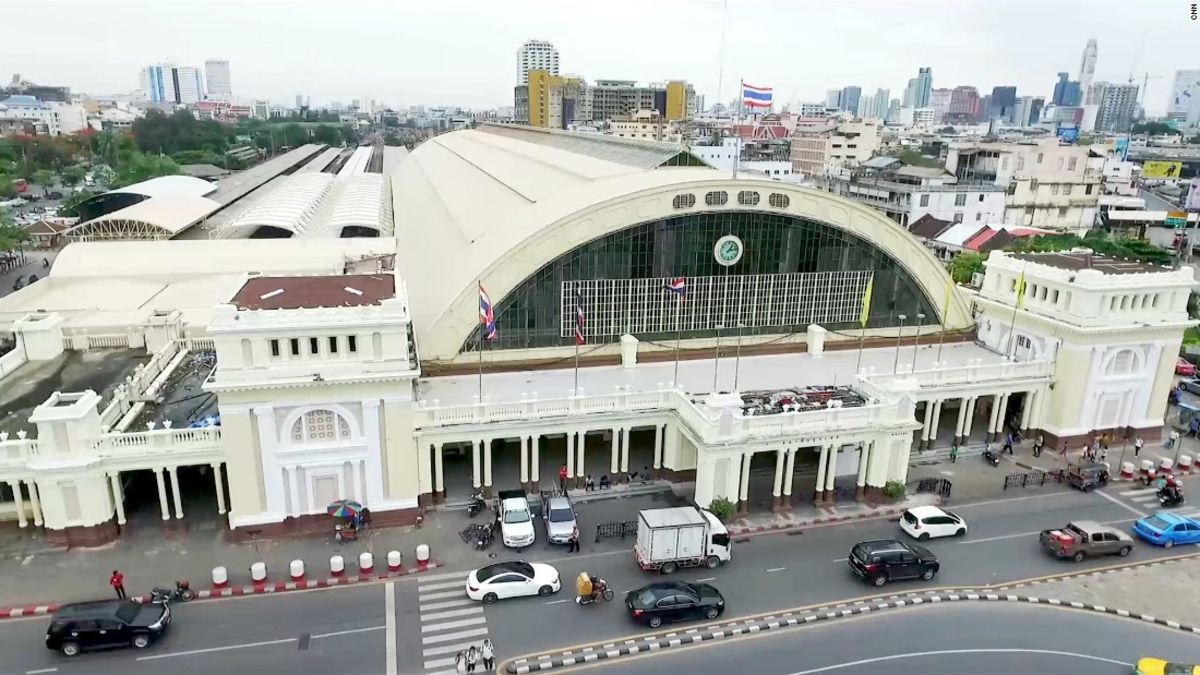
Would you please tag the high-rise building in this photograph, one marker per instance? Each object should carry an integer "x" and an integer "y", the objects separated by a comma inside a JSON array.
[
  {"x": 1003, "y": 103},
  {"x": 849, "y": 98},
  {"x": 1035, "y": 110},
  {"x": 882, "y": 98},
  {"x": 1185, "y": 94},
  {"x": 924, "y": 88},
  {"x": 1027, "y": 111},
  {"x": 220, "y": 87},
  {"x": 536, "y": 55},
  {"x": 169, "y": 83},
  {"x": 939, "y": 100},
  {"x": 964, "y": 105},
  {"x": 1118, "y": 106},
  {"x": 833, "y": 99},
  {"x": 299, "y": 101},
  {"x": 1066, "y": 91},
  {"x": 910, "y": 92},
  {"x": 866, "y": 107},
  {"x": 1087, "y": 73}
]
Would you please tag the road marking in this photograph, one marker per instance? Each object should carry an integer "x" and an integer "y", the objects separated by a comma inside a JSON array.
[
  {"x": 460, "y": 585},
  {"x": 557, "y": 602},
  {"x": 350, "y": 631},
  {"x": 24, "y": 562},
  {"x": 841, "y": 560},
  {"x": 776, "y": 569},
  {"x": 1030, "y": 534},
  {"x": 438, "y": 663},
  {"x": 461, "y": 623},
  {"x": 1118, "y": 502},
  {"x": 460, "y": 593},
  {"x": 434, "y": 639},
  {"x": 944, "y": 652},
  {"x": 451, "y": 649},
  {"x": 457, "y": 602},
  {"x": 210, "y": 650},
  {"x": 41, "y": 670},
  {"x": 438, "y": 577},
  {"x": 389, "y": 608},
  {"x": 706, "y": 579},
  {"x": 1006, "y": 500},
  {"x": 438, "y": 616}
]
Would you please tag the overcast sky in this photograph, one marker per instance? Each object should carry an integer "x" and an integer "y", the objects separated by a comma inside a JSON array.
[{"x": 462, "y": 52}]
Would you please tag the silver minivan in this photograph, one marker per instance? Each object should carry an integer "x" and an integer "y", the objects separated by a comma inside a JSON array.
[{"x": 560, "y": 520}]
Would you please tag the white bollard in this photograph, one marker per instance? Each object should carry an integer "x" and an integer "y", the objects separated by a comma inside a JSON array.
[
  {"x": 297, "y": 569},
  {"x": 1165, "y": 464},
  {"x": 395, "y": 561},
  {"x": 220, "y": 577},
  {"x": 366, "y": 563},
  {"x": 1147, "y": 466},
  {"x": 1127, "y": 470},
  {"x": 423, "y": 553},
  {"x": 1185, "y": 464},
  {"x": 258, "y": 572},
  {"x": 337, "y": 565}
]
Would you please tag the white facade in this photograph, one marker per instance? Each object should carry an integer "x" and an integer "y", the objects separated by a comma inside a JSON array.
[
  {"x": 536, "y": 55},
  {"x": 169, "y": 83},
  {"x": 28, "y": 108},
  {"x": 923, "y": 117},
  {"x": 1184, "y": 102},
  {"x": 820, "y": 149},
  {"x": 1087, "y": 71},
  {"x": 982, "y": 207},
  {"x": 220, "y": 87}
]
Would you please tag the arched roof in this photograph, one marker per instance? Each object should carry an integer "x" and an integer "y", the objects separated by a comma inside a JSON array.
[
  {"x": 291, "y": 206},
  {"x": 497, "y": 204},
  {"x": 154, "y": 218},
  {"x": 357, "y": 205},
  {"x": 170, "y": 186}
]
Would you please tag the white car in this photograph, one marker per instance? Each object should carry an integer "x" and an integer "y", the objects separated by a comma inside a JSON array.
[
  {"x": 512, "y": 580},
  {"x": 930, "y": 522},
  {"x": 516, "y": 523}
]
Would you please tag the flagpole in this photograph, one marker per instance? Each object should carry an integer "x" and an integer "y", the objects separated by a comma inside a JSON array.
[
  {"x": 482, "y": 328},
  {"x": 737, "y": 156},
  {"x": 1012, "y": 325},
  {"x": 945, "y": 311},
  {"x": 678, "y": 335}
]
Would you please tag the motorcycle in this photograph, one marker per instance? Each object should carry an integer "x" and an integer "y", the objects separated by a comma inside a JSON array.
[
  {"x": 181, "y": 593},
  {"x": 1170, "y": 498},
  {"x": 991, "y": 457},
  {"x": 600, "y": 590},
  {"x": 475, "y": 505}
]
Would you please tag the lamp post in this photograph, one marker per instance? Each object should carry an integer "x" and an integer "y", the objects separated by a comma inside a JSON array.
[
  {"x": 917, "y": 343},
  {"x": 717, "y": 357},
  {"x": 899, "y": 336}
]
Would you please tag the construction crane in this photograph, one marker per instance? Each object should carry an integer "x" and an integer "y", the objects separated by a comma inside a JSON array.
[{"x": 1146, "y": 77}]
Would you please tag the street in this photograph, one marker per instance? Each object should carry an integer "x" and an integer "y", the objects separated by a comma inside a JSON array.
[{"x": 351, "y": 630}]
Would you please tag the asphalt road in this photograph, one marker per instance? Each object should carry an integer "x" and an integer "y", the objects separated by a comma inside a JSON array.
[
  {"x": 350, "y": 630},
  {"x": 975, "y": 638}
]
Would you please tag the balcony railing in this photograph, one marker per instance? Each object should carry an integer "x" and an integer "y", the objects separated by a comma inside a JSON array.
[{"x": 959, "y": 375}]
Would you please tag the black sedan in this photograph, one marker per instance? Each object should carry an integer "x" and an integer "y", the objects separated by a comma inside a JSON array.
[{"x": 666, "y": 601}]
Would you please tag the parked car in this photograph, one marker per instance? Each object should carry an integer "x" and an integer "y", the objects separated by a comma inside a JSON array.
[
  {"x": 516, "y": 521},
  {"x": 1083, "y": 538},
  {"x": 929, "y": 522},
  {"x": 106, "y": 624},
  {"x": 1185, "y": 368},
  {"x": 1190, "y": 385},
  {"x": 560, "y": 520},
  {"x": 1087, "y": 477},
  {"x": 1167, "y": 529},
  {"x": 512, "y": 580},
  {"x": 887, "y": 560},
  {"x": 668, "y": 601}
]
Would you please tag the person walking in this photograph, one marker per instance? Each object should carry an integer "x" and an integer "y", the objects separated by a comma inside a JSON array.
[
  {"x": 487, "y": 652},
  {"x": 1062, "y": 452},
  {"x": 472, "y": 659},
  {"x": 117, "y": 581},
  {"x": 1137, "y": 446},
  {"x": 953, "y": 452},
  {"x": 562, "y": 478},
  {"x": 1038, "y": 444},
  {"x": 1174, "y": 438},
  {"x": 1008, "y": 443},
  {"x": 573, "y": 543},
  {"x": 460, "y": 664}
]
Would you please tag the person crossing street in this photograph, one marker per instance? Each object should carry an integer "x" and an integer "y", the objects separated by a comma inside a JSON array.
[{"x": 117, "y": 581}]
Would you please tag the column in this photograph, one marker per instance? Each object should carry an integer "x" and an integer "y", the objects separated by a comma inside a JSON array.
[
  {"x": 272, "y": 473},
  {"x": 659, "y": 433},
  {"x": 18, "y": 502},
  {"x": 832, "y": 469},
  {"x": 175, "y": 492},
  {"x": 788, "y": 472},
  {"x": 1001, "y": 406},
  {"x": 373, "y": 475},
  {"x": 926, "y": 418},
  {"x": 487, "y": 467},
  {"x": 970, "y": 419},
  {"x": 570, "y": 456},
  {"x": 476, "y": 478},
  {"x": 535, "y": 466},
  {"x": 162, "y": 493},
  {"x": 962, "y": 420},
  {"x": 581, "y": 465},
  {"x": 220, "y": 482},
  {"x": 291, "y": 476},
  {"x": 615, "y": 465},
  {"x": 744, "y": 488},
  {"x": 439, "y": 476},
  {"x": 937, "y": 422},
  {"x": 991, "y": 427},
  {"x": 35, "y": 503},
  {"x": 1027, "y": 409},
  {"x": 524, "y": 460},
  {"x": 860, "y": 483},
  {"x": 777, "y": 488},
  {"x": 819, "y": 488},
  {"x": 625, "y": 437},
  {"x": 118, "y": 496}
]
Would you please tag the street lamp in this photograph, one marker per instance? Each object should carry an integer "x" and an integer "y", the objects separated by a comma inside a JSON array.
[
  {"x": 717, "y": 357},
  {"x": 899, "y": 336},
  {"x": 917, "y": 343}
]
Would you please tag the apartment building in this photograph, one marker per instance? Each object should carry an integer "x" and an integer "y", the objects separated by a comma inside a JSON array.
[
  {"x": 1046, "y": 184},
  {"x": 823, "y": 148},
  {"x": 549, "y": 100},
  {"x": 646, "y": 125}
]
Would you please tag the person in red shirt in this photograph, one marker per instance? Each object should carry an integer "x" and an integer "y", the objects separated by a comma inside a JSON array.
[
  {"x": 117, "y": 581},
  {"x": 562, "y": 478}
]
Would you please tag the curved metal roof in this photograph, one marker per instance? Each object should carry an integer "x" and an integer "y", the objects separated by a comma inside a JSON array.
[
  {"x": 169, "y": 186},
  {"x": 358, "y": 204},
  {"x": 291, "y": 207},
  {"x": 155, "y": 218}
]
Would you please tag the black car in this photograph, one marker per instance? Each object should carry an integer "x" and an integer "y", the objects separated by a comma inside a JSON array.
[
  {"x": 106, "y": 624},
  {"x": 889, "y": 560},
  {"x": 667, "y": 601}
]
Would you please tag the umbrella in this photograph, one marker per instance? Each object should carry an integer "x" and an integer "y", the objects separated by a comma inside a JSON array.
[{"x": 344, "y": 508}]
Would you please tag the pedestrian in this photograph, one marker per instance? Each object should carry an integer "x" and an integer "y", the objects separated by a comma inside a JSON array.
[
  {"x": 1194, "y": 426},
  {"x": 1174, "y": 438},
  {"x": 472, "y": 659},
  {"x": 1038, "y": 445},
  {"x": 1062, "y": 452},
  {"x": 1137, "y": 446},
  {"x": 460, "y": 664},
  {"x": 573, "y": 543},
  {"x": 1104, "y": 441},
  {"x": 117, "y": 581},
  {"x": 487, "y": 652},
  {"x": 562, "y": 478},
  {"x": 589, "y": 484},
  {"x": 1008, "y": 443},
  {"x": 954, "y": 452}
]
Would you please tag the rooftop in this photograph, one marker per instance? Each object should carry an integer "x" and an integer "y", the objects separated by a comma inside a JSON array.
[
  {"x": 1086, "y": 260},
  {"x": 350, "y": 290}
]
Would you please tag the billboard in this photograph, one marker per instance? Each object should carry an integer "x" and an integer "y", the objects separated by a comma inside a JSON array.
[
  {"x": 1068, "y": 134},
  {"x": 1193, "y": 198},
  {"x": 1160, "y": 170},
  {"x": 1121, "y": 146}
]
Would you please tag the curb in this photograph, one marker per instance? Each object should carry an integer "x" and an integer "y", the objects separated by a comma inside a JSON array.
[
  {"x": 236, "y": 591},
  {"x": 829, "y": 520},
  {"x": 790, "y": 619}
]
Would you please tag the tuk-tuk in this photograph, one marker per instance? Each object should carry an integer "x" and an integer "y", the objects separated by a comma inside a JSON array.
[{"x": 1087, "y": 477}]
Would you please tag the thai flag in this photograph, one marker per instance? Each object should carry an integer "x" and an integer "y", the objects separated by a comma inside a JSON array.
[
  {"x": 486, "y": 318},
  {"x": 678, "y": 286},
  {"x": 579, "y": 319},
  {"x": 756, "y": 97}
]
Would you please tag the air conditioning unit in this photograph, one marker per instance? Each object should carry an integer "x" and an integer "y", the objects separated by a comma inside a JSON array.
[{"x": 977, "y": 280}]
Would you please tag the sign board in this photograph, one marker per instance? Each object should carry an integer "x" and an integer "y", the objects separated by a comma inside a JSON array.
[
  {"x": 1067, "y": 134},
  {"x": 1121, "y": 146},
  {"x": 1175, "y": 219},
  {"x": 1161, "y": 170},
  {"x": 1193, "y": 198}
]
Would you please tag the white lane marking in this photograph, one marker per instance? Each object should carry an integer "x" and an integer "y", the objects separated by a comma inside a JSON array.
[
  {"x": 557, "y": 602},
  {"x": 439, "y": 595},
  {"x": 461, "y": 623},
  {"x": 226, "y": 648},
  {"x": 841, "y": 560},
  {"x": 437, "y": 616},
  {"x": 706, "y": 579},
  {"x": 437, "y": 663},
  {"x": 1118, "y": 502},
  {"x": 389, "y": 640},
  {"x": 41, "y": 670},
  {"x": 1031, "y": 534},
  {"x": 460, "y": 585},
  {"x": 350, "y": 631},
  {"x": 776, "y": 569},
  {"x": 943, "y": 652},
  {"x": 423, "y": 578},
  {"x": 1137, "y": 491},
  {"x": 447, "y": 637},
  {"x": 447, "y": 604},
  {"x": 451, "y": 649},
  {"x": 24, "y": 562}
]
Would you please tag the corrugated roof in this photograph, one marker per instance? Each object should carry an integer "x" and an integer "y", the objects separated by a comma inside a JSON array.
[
  {"x": 172, "y": 214},
  {"x": 169, "y": 186},
  {"x": 928, "y": 227},
  {"x": 347, "y": 290},
  {"x": 640, "y": 154},
  {"x": 959, "y": 233},
  {"x": 880, "y": 162}
]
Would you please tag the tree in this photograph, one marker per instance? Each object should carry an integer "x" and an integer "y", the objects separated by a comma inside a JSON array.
[
  {"x": 914, "y": 158},
  {"x": 12, "y": 236},
  {"x": 965, "y": 265},
  {"x": 1155, "y": 129},
  {"x": 43, "y": 177},
  {"x": 73, "y": 175},
  {"x": 70, "y": 205},
  {"x": 7, "y": 191},
  {"x": 144, "y": 167}
]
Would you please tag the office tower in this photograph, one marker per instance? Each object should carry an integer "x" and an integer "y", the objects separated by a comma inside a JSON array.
[
  {"x": 924, "y": 88},
  {"x": 1003, "y": 103},
  {"x": 220, "y": 87},
  {"x": 1118, "y": 104},
  {"x": 1185, "y": 94},
  {"x": 169, "y": 83},
  {"x": 1087, "y": 72},
  {"x": 849, "y": 98},
  {"x": 536, "y": 55}
]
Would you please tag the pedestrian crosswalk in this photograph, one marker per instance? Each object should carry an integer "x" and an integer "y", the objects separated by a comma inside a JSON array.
[
  {"x": 1147, "y": 499},
  {"x": 450, "y": 621}
]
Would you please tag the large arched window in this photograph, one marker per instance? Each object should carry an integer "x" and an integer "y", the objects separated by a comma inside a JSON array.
[
  {"x": 1124, "y": 362},
  {"x": 774, "y": 245},
  {"x": 320, "y": 426}
]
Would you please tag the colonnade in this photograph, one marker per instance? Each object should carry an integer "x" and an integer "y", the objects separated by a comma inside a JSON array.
[{"x": 1032, "y": 414}]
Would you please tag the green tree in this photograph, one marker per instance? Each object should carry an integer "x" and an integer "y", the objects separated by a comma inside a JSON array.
[
  {"x": 964, "y": 265},
  {"x": 70, "y": 205},
  {"x": 43, "y": 177},
  {"x": 1154, "y": 129},
  {"x": 914, "y": 158},
  {"x": 7, "y": 191},
  {"x": 12, "y": 236},
  {"x": 144, "y": 167},
  {"x": 73, "y": 175}
]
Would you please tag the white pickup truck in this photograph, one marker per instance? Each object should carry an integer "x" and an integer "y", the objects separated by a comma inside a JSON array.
[{"x": 516, "y": 520}]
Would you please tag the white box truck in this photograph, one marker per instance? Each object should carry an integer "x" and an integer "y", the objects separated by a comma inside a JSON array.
[{"x": 684, "y": 536}]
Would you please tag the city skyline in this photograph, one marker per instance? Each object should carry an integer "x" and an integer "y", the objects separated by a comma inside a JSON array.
[{"x": 476, "y": 47}]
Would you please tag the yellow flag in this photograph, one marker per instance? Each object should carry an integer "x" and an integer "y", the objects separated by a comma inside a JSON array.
[
  {"x": 946, "y": 302},
  {"x": 1021, "y": 291},
  {"x": 866, "y": 302}
]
